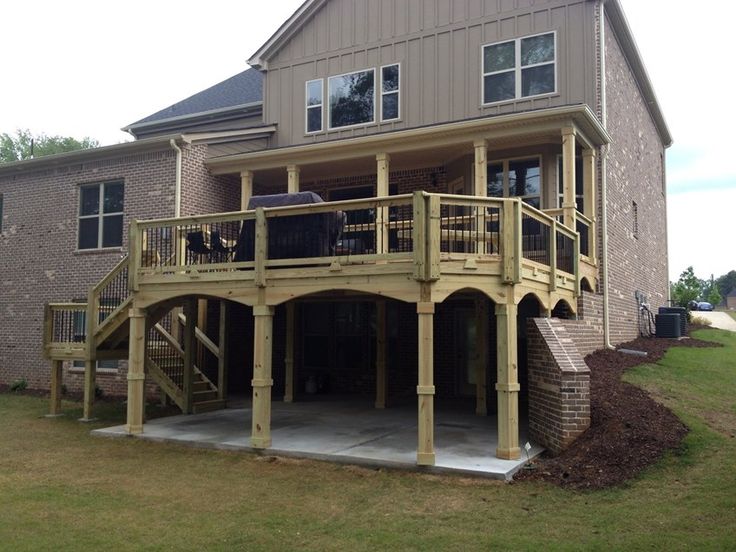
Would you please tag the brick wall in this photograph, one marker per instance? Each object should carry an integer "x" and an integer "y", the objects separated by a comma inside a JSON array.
[
  {"x": 202, "y": 192},
  {"x": 559, "y": 385},
  {"x": 587, "y": 331},
  {"x": 635, "y": 174}
]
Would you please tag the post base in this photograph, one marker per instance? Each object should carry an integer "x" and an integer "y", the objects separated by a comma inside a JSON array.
[
  {"x": 133, "y": 429},
  {"x": 260, "y": 443},
  {"x": 508, "y": 454},
  {"x": 425, "y": 458}
]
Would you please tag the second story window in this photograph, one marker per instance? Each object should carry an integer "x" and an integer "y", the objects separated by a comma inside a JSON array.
[
  {"x": 101, "y": 215},
  {"x": 314, "y": 105},
  {"x": 390, "y": 92},
  {"x": 352, "y": 99},
  {"x": 516, "y": 178},
  {"x": 519, "y": 68}
]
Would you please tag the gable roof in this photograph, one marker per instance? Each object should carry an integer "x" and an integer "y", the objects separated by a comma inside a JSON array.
[{"x": 241, "y": 90}]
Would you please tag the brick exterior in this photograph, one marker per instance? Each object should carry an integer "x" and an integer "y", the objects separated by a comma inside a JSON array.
[
  {"x": 587, "y": 331},
  {"x": 201, "y": 192},
  {"x": 559, "y": 385}
]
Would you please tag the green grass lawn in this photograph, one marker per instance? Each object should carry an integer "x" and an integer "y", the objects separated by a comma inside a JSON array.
[{"x": 61, "y": 489}]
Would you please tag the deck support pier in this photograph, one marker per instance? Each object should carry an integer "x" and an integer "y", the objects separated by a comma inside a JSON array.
[
  {"x": 507, "y": 384},
  {"x": 289, "y": 353},
  {"x": 381, "y": 354},
  {"x": 425, "y": 389},
  {"x": 262, "y": 381},
  {"x": 222, "y": 347},
  {"x": 136, "y": 371},
  {"x": 481, "y": 359},
  {"x": 55, "y": 401},
  {"x": 90, "y": 383}
]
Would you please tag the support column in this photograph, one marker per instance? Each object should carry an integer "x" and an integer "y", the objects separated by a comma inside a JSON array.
[
  {"x": 246, "y": 189},
  {"x": 590, "y": 199},
  {"x": 262, "y": 382},
  {"x": 289, "y": 354},
  {"x": 90, "y": 383},
  {"x": 382, "y": 190},
  {"x": 425, "y": 389},
  {"x": 480, "y": 189},
  {"x": 293, "y": 171},
  {"x": 481, "y": 359},
  {"x": 381, "y": 354},
  {"x": 507, "y": 384},
  {"x": 222, "y": 345},
  {"x": 136, "y": 371},
  {"x": 55, "y": 402},
  {"x": 568, "y": 177},
  {"x": 190, "y": 314}
]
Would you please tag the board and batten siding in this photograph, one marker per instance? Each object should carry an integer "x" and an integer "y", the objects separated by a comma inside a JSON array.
[{"x": 438, "y": 44}]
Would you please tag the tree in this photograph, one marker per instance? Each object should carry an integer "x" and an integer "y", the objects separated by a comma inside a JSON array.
[
  {"x": 726, "y": 283},
  {"x": 18, "y": 147},
  {"x": 687, "y": 288},
  {"x": 714, "y": 296}
]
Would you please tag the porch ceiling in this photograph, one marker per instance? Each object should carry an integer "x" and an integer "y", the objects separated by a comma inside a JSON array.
[{"x": 411, "y": 148}]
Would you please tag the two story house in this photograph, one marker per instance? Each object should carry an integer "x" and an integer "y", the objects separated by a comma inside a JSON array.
[{"x": 401, "y": 201}]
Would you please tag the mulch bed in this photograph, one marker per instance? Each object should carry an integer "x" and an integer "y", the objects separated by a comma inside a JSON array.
[{"x": 629, "y": 430}]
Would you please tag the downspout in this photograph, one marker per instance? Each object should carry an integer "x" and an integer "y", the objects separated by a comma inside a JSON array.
[
  {"x": 177, "y": 189},
  {"x": 604, "y": 187}
]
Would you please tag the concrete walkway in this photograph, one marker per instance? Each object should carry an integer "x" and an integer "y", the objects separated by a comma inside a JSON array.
[
  {"x": 345, "y": 432},
  {"x": 720, "y": 320}
]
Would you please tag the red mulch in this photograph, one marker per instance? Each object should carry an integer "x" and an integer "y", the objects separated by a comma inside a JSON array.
[{"x": 629, "y": 430}]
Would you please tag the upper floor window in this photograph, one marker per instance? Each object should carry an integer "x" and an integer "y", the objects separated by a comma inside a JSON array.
[
  {"x": 516, "y": 178},
  {"x": 352, "y": 99},
  {"x": 101, "y": 215},
  {"x": 390, "y": 92},
  {"x": 314, "y": 105},
  {"x": 519, "y": 68}
]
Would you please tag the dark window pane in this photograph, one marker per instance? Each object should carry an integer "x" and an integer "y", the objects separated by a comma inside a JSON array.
[
  {"x": 314, "y": 119},
  {"x": 107, "y": 364},
  {"x": 114, "y": 198},
  {"x": 90, "y": 200},
  {"x": 495, "y": 180},
  {"x": 524, "y": 178},
  {"x": 500, "y": 87},
  {"x": 314, "y": 93},
  {"x": 352, "y": 99},
  {"x": 499, "y": 57},
  {"x": 112, "y": 231},
  {"x": 537, "y": 49},
  {"x": 538, "y": 80},
  {"x": 390, "y": 78},
  {"x": 88, "y": 233},
  {"x": 533, "y": 201},
  {"x": 390, "y": 106}
]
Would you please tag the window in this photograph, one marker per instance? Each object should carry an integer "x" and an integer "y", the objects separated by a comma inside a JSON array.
[
  {"x": 1, "y": 213},
  {"x": 579, "y": 184},
  {"x": 99, "y": 365},
  {"x": 101, "y": 215},
  {"x": 315, "y": 102},
  {"x": 635, "y": 215},
  {"x": 352, "y": 99},
  {"x": 516, "y": 178},
  {"x": 390, "y": 92},
  {"x": 519, "y": 68}
]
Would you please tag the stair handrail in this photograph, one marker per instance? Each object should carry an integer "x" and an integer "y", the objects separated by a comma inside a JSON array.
[{"x": 117, "y": 279}]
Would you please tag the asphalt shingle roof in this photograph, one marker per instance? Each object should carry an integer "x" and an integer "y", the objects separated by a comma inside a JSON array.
[{"x": 243, "y": 88}]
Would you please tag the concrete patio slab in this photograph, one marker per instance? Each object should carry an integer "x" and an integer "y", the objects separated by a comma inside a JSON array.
[{"x": 345, "y": 432}]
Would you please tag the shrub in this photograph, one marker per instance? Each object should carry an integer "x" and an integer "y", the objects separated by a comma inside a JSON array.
[
  {"x": 19, "y": 385},
  {"x": 99, "y": 393}
]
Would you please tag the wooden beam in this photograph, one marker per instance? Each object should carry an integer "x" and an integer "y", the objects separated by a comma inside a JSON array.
[
  {"x": 56, "y": 381},
  {"x": 293, "y": 172},
  {"x": 90, "y": 382},
  {"x": 425, "y": 387},
  {"x": 481, "y": 359},
  {"x": 190, "y": 308},
  {"x": 380, "y": 354},
  {"x": 262, "y": 381},
  {"x": 507, "y": 385},
  {"x": 480, "y": 188},
  {"x": 136, "y": 371},
  {"x": 222, "y": 358},
  {"x": 382, "y": 190},
  {"x": 568, "y": 177},
  {"x": 246, "y": 189},
  {"x": 289, "y": 354},
  {"x": 590, "y": 199}
]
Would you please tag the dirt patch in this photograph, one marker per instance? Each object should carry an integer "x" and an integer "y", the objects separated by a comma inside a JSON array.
[{"x": 629, "y": 430}]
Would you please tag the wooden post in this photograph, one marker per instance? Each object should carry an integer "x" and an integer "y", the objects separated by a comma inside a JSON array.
[
  {"x": 481, "y": 360},
  {"x": 261, "y": 252},
  {"x": 136, "y": 371},
  {"x": 419, "y": 234},
  {"x": 568, "y": 177},
  {"x": 553, "y": 256},
  {"x": 507, "y": 384},
  {"x": 246, "y": 189},
  {"x": 190, "y": 309},
  {"x": 293, "y": 172},
  {"x": 262, "y": 382},
  {"x": 222, "y": 360},
  {"x": 202, "y": 326},
  {"x": 289, "y": 354},
  {"x": 90, "y": 362},
  {"x": 133, "y": 255},
  {"x": 380, "y": 354},
  {"x": 590, "y": 199},
  {"x": 425, "y": 387},
  {"x": 382, "y": 190},
  {"x": 480, "y": 190},
  {"x": 56, "y": 376},
  {"x": 511, "y": 240}
]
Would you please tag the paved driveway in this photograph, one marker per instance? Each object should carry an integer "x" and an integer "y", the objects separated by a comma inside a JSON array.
[{"x": 719, "y": 320}]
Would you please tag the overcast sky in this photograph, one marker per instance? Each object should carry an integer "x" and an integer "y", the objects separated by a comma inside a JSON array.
[{"x": 87, "y": 68}]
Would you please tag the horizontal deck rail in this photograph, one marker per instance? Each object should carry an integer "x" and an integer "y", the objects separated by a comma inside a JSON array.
[{"x": 65, "y": 328}]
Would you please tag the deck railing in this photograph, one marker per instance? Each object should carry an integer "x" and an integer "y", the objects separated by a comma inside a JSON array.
[
  {"x": 420, "y": 229},
  {"x": 65, "y": 326}
]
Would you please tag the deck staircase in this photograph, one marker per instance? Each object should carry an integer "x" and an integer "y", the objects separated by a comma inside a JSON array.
[{"x": 100, "y": 329}]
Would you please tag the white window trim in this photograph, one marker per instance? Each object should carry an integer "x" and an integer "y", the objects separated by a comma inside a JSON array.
[
  {"x": 506, "y": 179},
  {"x": 307, "y": 107},
  {"x": 101, "y": 215},
  {"x": 329, "y": 106},
  {"x": 517, "y": 70},
  {"x": 397, "y": 92}
]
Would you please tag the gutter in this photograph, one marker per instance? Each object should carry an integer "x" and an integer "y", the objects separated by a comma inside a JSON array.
[
  {"x": 177, "y": 192},
  {"x": 604, "y": 188}
]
